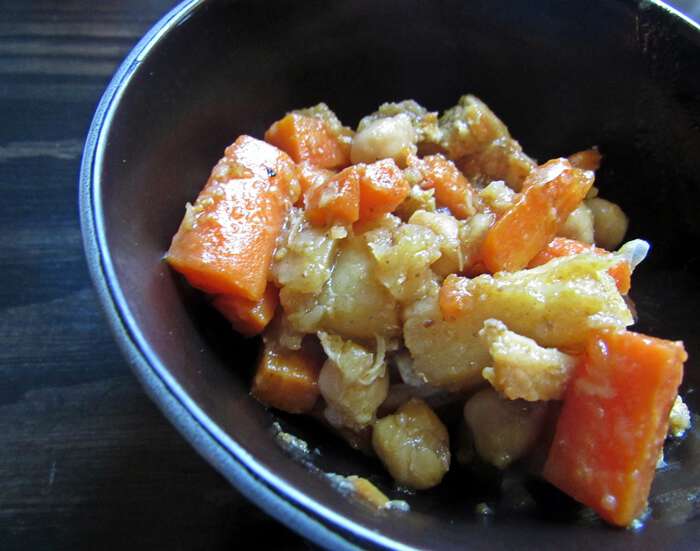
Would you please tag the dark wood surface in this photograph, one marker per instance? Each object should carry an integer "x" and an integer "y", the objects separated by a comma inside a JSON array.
[{"x": 86, "y": 460}]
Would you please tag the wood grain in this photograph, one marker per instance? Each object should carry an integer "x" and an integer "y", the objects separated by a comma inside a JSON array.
[{"x": 86, "y": 460}]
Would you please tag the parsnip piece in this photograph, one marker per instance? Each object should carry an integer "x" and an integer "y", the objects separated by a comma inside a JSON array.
[
  {"x": 522, "y": 368},
  {"x": 556, "y": 304},
  {"x": 403, "y": 255},
  {"x": 354, "y": 301}
]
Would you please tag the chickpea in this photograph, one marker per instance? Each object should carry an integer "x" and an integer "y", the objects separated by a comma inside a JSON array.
[
  {"x": 414, "y": 445},
  {"x": 391, "y": 137},
  {"x": 503, "y": 430},
  {"x": 609, "y": 222}
]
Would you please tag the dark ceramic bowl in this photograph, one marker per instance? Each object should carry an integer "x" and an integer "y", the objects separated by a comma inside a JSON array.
[{"x": 563, "y": 75}]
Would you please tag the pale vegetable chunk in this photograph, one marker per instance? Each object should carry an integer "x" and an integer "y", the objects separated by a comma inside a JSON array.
[
  {"x": 472, "y": 134},
  {"x": 353, "y": 381},
  {"x": 446, "y": 230},
  {"x": 418, "y": 199},
  {"x": 557, "y": 304},
  {"x": 503, "y": 430},
  {"x": 497, "y": 197},
  {"x": 679, "y": 419},
  {"x": 355, "y": 303},
  {"x": 384, "y": 138},
  {"x": 403, "y": 255},
  {"x": 579, "y": 225},
  {"x": 522, "y": 368},
  {"x": 424, "y": 122},
  {"x": 305, "y": 254},
  {"x": 609, "y": 222},
  {"x": 414, "y": 445}
]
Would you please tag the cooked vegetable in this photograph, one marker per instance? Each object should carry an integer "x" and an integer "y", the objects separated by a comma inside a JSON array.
[
  {"x": 579, "y": 225},
  {"x": 225, "y": 242},
  {"x": 614, "y": 421},
  {"x": 307, "y": 138},
  {"x": 452, "y": 189},
  {"x": 609, "y": 221},
  {"x": 248, "y": 317},
  {"x": 384, "y": 138},
  {"x": 559, "y": 247},
  {"x": 382, "y": 189},
  {"x": 503, "y": 430},
  {"x": 523, "y": 369},
  {"x": 353, "y": 381},
  {"x": 477, "y": 139},
  {"x": 550, "y": 194},
  {"x": 414, "y": 445},
  {"x": 288, "y": 379},
  {"x": 335, "y": 201},
  {"x": 393, "y": 291}
]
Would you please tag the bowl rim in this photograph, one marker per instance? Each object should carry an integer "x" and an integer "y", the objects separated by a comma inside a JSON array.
[{"x": 288, "y": 505}]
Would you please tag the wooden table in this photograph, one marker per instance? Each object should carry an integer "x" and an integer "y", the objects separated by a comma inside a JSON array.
[{"x": 86, "y": 461}]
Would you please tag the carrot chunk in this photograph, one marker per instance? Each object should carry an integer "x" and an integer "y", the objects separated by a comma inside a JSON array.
[
  {"x": 288, "y": 379},
  {"x": 454, "y": 298},
  {"x": 336, "y": 201},
  {"x": 452, "y": 189},
  {"x": 614, "y": 421},
  {"x": 225, "y": 242},
  {"x": 550, "y": 193},
  {"x": 248, "y": 317},
  {"x": 308, "y": 139},
  {"x": 561, "y": 246},
  {"x": 311, "y": 175},
  {"x": 382, "y": 189}
]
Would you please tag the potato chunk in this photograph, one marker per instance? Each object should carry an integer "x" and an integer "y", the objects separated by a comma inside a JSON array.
[
  {"x": 556, "y": 304},
  {"x": 414, "y": 445},
  {"x": 579, "y": 225},
  {"x": 521, "y": 367},
  {"x": 353, "y": 381},
  {"x": 503, "y": 430},
  {"x": 403, "y": 256},
  {"x": 355, "y": 303},
  {"x": 384, "y": 138},
  {"x": 446, "y": 230},
  {"x": 482, "y": 146}
]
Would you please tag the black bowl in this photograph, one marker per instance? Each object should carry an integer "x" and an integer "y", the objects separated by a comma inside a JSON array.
[{"x": 563, "y": 75}]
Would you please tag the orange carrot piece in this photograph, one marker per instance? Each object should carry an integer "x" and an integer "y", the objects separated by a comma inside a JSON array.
[
  {"x": 550, "y": 193},
  {"x": 288, "y": 379},
  {"x": 312, "y": 176},
  {"x": 309, "y": 139},
  {"x": 248, "y": 317},
  {"x": 249, "y": 157},
  {"x": 452, "y": 189},
  {"x": 382, "y": 189},
  {"x": 454, "y": 298},
  {"x": 561, "y": 246},
  {"x": 588, "y": 159},
  {"x": 337, "y": 201},
  {"x": 225, "y": 242},
  {"x": 614, "y": 421}
]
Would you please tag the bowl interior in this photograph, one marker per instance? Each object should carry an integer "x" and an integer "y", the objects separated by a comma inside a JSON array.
[{"x": 562, "y": 77}]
